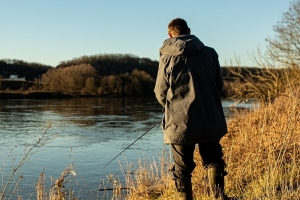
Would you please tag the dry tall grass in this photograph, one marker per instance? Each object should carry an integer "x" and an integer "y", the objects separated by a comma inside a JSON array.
[
  {"x": 262, "y": 151},
  {"x": 10, "y": 180},
  {"x": 59, "y": 189}
]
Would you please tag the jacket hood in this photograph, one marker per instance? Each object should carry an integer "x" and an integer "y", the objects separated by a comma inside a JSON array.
[{"x": 182, "y": 45}]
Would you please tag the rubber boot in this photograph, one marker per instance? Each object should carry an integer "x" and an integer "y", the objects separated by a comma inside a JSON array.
[
  {"x": 183, "y": 190},
  {"x": 216, "y": 183}
]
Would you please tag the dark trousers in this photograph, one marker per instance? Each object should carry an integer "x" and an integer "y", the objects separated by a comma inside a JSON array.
[{"x": 183, "y": 155}]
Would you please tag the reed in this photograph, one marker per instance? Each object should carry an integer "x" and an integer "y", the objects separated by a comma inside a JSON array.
[
  {"x": 10, "y": 181},
  {"x": 262, "y": 151},
  {"x": 59, "y": 189}
]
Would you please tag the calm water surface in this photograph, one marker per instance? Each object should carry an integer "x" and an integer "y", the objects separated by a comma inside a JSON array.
[{"x": 88, "y": 133}]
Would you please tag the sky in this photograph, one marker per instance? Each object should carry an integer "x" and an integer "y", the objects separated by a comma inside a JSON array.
[{"x": 49, "y": 32}]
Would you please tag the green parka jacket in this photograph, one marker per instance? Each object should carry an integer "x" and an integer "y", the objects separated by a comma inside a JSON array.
[{"x": 188, "y": 84}]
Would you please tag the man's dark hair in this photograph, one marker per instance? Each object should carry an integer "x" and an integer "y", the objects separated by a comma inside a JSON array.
[{"x": 179, "y": 26}]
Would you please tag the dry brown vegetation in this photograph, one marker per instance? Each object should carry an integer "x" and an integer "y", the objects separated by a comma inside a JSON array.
[
  {"x": 59, "y": 188},
  {"x": 262, "y": 151},
  {"x": 83, "y": 79}
]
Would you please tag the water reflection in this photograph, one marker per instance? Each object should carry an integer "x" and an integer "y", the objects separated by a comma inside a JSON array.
[
  {"x": 81, "y": 111},
  {"x": 79, "y": 121},
  {"x": 85, "y": 120}
]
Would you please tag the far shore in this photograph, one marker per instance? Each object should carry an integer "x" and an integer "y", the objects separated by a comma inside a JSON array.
[
  {"x": 40, "y": 95},
  {"x": 47, "y": 95}
]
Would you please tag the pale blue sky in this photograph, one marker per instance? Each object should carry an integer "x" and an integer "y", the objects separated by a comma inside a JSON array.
[{"x": 52, "y": 31}]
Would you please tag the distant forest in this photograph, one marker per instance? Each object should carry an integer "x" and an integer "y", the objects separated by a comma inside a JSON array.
[{"x": 101, "y": 74}]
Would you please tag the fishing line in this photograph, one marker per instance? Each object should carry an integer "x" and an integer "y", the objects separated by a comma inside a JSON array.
[{"x": 133, "y": 142}]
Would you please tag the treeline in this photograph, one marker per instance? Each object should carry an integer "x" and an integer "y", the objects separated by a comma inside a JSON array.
[
  {"x": 102, "y": 74},
  {"x": 84, "y": 79},
  {"x": 29, "y": 70},
  {"x": 115, "y": 64},
  {"x": 241, "y": 74}
]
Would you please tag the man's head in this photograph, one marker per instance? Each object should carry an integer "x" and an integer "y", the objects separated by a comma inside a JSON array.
[{"x": 177, "y": 27}]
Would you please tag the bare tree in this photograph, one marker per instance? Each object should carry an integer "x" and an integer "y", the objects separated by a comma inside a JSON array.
[
  {"x": 285, "y": 47},
  {"x": 278, "y": 69},
  {"x": 263, "y": 84}
]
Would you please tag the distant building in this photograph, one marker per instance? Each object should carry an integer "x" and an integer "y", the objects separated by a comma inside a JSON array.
[{"x": 16, "y": 77}]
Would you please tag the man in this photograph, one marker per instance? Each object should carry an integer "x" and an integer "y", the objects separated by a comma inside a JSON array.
[{"x": 188, "y": 84}]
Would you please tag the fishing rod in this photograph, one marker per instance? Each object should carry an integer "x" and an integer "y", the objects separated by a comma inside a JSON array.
[{"x": 133, "y": 142}]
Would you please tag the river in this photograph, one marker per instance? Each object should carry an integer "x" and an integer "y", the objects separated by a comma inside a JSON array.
[{"x": 86, "y": 133}]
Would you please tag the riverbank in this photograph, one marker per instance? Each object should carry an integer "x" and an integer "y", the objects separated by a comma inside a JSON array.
[
  {"x": 34, "y": 95},
  {"x": 42, "y": 95},
  {"x": 49, "y": 95},
  {"x": 54, "y": 95}
]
